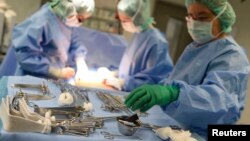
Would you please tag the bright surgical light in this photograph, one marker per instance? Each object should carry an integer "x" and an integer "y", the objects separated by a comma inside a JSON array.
[
  {"x": 95, "y": 77},
  {"x": 91, "y": 76},
  {"x": 104, "y": 73}
]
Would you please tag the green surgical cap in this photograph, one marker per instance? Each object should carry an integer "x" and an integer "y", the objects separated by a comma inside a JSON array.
[
  {"x": 65, "y": 8},
  {"x": 137, "y": 9},
  {"x": 84, "y": 6},
  {"x": 227, "y": 19}
]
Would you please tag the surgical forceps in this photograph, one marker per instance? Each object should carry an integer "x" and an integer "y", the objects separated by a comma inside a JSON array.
[
  {"x": 42, "y": 87},
  {"x": 109, "y": 136}
]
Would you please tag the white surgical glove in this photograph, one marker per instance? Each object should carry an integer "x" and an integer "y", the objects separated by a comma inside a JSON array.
[
  {"x": 82, "y": 68},
  {"x": 64, "y": 73},
  {"x": 114, "y": 82}
]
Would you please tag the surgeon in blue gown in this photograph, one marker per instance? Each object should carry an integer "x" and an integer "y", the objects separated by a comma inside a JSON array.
[
  {"x": 209, "y": 82},
  {"x": 146, "y": 60},
  {"x": 46, "y": 44}
]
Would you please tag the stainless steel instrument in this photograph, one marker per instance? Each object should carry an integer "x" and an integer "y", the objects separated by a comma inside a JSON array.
[
  {"x": 109, "y": 136},
  {"x": 70, "y": 112},
  {"x": 42, "y": 87}
]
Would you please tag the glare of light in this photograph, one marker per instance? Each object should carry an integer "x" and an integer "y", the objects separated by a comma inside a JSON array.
[
  {"x": 104, "y": 73},
  {"x": 93, "y": 76}
]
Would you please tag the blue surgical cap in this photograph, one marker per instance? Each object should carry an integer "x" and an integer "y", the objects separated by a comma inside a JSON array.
[{"x": 227, "y": 19}]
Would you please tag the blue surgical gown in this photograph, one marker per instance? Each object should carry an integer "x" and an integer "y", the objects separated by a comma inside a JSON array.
[
  {"x": 213, "y": 84},
  {"x": 104, "y": 49},
  {"x": 146, "y": 60},
  {"x": 43, "y": 40}
]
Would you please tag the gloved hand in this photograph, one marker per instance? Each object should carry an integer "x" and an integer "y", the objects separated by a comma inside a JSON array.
[
  {"x": 64, "y": 73},
  {"x": 147, "y": 96},
  {"x": 116, "y": 83}
]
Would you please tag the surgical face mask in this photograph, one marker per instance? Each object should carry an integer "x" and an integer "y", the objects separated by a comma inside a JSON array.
[
  {"x": 130, "y": 27},
  {"x": 202, "y": 32},
  {"x": 72, "y": 22}
]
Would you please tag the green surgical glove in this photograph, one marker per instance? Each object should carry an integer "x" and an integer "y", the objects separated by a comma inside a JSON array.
[{"x": 147, "y": 96}]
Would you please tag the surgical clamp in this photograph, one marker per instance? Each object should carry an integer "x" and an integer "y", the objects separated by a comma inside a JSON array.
[
  {"x": 42, "y": 87},
  {"x": 109, "y": 136}
]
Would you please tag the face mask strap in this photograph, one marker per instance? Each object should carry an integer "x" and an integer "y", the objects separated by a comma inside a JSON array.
[
  {"x": 224, "y": 9},
  {"x": 149, "y": 20},
  {"x": 138, "y": 10}
]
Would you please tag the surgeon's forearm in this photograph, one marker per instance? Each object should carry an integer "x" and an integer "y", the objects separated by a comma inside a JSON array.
[
  {"x": 35, "y": 67},
  {"x": 135, "y": 81},
  {"x": 204, "y": 101},
  {"x": 32, "y": 61},
  {"x": 63, "y": 73},
  {"x": 55, "y": 72}
]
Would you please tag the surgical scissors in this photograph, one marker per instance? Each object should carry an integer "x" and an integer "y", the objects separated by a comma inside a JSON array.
[
  {"x": 110, "y": 136},
  {"x": 107, "y": 135}
]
